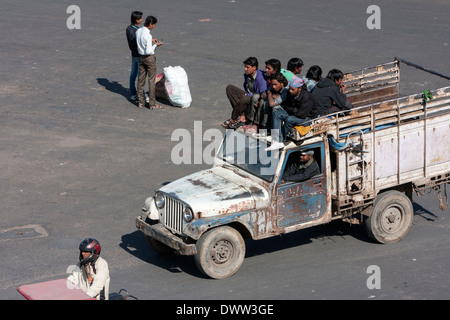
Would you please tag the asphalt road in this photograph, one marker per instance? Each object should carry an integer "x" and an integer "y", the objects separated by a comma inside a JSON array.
[{"x": 79, "y": 159}]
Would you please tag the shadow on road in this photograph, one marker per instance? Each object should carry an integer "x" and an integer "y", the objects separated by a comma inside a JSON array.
[
  {"x": 423, "y": 213},
  {"x": 115, "y": 87},
  {"x": 136, "y": 245},
  {"x": 327, "y": 233}
]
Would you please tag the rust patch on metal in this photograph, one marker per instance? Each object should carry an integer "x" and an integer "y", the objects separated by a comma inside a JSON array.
[{"x": 199, "y": 183}]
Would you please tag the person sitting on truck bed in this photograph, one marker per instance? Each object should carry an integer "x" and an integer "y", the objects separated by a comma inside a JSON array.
[
  {"x": 312, "y": 77},
  {"x": 254, "y": 112},
  {"x": 308, "y": 168},
  {"x": 330, "y": 93},
  {"x": 298, "y": 108},
  {"x": 254, "y": 84},
  {"x": 294, "y": 68},
  {"x": 271, "y": 99}
]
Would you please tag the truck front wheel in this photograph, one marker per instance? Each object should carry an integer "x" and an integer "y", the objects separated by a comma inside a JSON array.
[
  {"x": 220, "y": 252},
  {"x": 391, "y": 217}
]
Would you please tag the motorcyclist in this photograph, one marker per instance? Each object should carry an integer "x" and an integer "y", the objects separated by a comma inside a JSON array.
[{"x": 92, "y": 272}]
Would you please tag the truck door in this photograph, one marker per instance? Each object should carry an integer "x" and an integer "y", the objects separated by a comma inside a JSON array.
[{"x": 299, "y": 202}]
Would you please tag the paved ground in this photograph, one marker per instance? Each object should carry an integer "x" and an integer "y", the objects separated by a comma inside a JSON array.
[{"x": 79, "y": 159}]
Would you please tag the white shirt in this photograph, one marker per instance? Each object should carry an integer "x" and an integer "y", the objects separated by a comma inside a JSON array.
[
  {"x": 100, "y": 279},
  {"x": 144, "y": 41}
]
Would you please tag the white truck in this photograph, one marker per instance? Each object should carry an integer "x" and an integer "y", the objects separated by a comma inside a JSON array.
[{"x": 371, "y": 159}]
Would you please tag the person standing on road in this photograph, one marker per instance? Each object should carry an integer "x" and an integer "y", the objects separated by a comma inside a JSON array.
[
  {"x": 147, "y": 66},
  {"x": 92, "y": 274},
  {"x": 136, "y": 20}
]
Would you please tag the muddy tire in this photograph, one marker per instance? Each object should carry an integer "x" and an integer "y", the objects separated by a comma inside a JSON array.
[
  {"x": 391, "y": 217},
  {"x": 220, "y": 252}
]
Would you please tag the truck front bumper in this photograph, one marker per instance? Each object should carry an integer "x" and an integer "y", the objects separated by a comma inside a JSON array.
[{"x": 163, "y": 235}]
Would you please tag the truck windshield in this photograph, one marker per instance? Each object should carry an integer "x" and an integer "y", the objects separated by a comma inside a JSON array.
[{"x": 248, "y": 153}]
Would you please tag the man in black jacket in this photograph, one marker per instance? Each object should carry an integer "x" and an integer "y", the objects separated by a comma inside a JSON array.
[
  {"x": 136, "y": 20},
  {"x": 298, "y": 108},
  {"x": 330, "y": 93},
  {"x": 308, "y": 168}
]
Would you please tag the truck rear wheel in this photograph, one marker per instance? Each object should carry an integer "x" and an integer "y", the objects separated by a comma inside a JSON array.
[
  {"x": 220, "y": 252},
  {"x": 391, "y": 217}
]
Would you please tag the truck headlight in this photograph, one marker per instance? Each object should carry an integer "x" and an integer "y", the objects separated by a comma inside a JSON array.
[
  {"x": 188, "y": 215},
  {"x": 160, "y": 201}
]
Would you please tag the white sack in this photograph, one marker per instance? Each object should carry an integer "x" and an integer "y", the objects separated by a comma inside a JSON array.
[{"x": 176, "y": 86}]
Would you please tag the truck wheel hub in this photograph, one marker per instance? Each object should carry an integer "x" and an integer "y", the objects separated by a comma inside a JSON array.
[
  {"x": 391, "y": 220},
  {"x": 222, "y": 251}
]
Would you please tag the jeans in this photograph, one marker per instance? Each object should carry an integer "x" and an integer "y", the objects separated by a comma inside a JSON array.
[
  {"x": 134, "y": 74},
  {"x": 278, "y": 117}
]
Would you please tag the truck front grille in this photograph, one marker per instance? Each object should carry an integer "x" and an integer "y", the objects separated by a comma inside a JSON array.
[{"x": 172, "y": 216}]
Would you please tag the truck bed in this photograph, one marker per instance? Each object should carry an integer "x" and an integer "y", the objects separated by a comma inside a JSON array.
[{"x": 387, "y": 143}]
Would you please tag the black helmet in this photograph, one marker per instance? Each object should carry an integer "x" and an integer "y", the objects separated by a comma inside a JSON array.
[{"x": 89, "y": 245}]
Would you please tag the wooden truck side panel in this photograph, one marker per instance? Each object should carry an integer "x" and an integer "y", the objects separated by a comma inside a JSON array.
[{"x": 391, "y": 143}]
